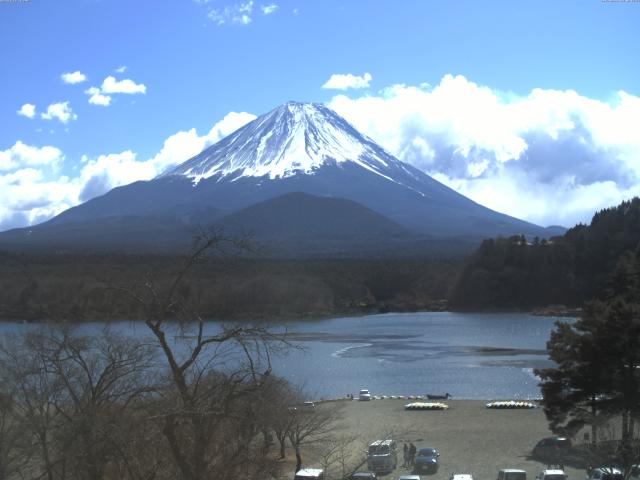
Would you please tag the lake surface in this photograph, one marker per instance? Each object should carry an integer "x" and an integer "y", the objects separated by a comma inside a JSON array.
[{"x": 469, "y": 355}]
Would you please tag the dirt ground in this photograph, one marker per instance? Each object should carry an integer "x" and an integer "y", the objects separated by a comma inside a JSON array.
[{"x": 470, "y": 438}]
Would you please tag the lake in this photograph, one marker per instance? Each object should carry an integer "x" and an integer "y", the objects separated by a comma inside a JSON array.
[{"x": 469, "y": 355}]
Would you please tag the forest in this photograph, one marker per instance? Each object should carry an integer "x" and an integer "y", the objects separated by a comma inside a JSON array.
[
  {"x": 504, "y": 274},
  {"x": 76, "y": 288},
  {"x": 519, "y": 273}
]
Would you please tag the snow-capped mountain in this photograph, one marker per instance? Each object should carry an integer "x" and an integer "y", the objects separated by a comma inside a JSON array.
[
  {"x": 297, "y": 147},
  {"x": 295, "y": 138}
]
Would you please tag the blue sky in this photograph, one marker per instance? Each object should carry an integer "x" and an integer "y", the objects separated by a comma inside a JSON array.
[{"x": 190, "y": 63}]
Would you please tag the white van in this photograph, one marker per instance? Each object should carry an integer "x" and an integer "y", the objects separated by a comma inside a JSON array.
[
  {"x": 552, "y": 474},
  {"x": 382, "y": 456},
  {"x": 461, "y": 476},
  {"x": 309, "y": 474},
  {"x": 512, "y": 474}
]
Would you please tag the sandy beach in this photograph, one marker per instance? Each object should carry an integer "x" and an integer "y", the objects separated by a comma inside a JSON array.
[{"x": 470, "y": 437}]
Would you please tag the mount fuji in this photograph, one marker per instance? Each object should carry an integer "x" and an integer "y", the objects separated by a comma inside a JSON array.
[{"x": 299, "y": 177}]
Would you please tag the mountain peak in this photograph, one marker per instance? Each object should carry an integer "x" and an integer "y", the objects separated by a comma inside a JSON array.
[
  {"x": 294, "y": 106},
  {"x": 294, "y": 138},
  {"x": 297, "y": 104}
]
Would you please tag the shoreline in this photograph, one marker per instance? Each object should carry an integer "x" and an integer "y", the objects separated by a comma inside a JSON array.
[
  {"x": 281, "y": 319},
  {"x": 423, "y": 398}
]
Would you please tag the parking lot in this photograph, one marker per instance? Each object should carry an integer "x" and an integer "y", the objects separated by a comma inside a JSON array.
[{"x": 470, "y": 438}]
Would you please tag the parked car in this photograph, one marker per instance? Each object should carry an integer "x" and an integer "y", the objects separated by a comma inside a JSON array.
[
  {"x": 309, "y": 474},
  {"x": 364, "y": 476},
  {"x": 382, "y": 456},
  {"x": 606, "y": 473},
  {"x": 426, "y": 460},
  {"x": 552, "y": 448},
  {"x": 552, "y": 474},
  {"x": 364, "y": 396},
  {"x": 461, "y": 476},
  {"x": 635, "y": 472},
  {"x": 409, "y": 477},
  {"x": 512, "y": 474}
]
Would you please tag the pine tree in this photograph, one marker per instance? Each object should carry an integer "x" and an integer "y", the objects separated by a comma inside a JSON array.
[{"x": 597, "y": 373}]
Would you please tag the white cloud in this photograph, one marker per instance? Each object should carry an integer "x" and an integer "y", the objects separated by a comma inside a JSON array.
[
  {"x": 269, "y": 9},
  {"x": 111, "y": 85},
  {"x": 231, "y": 122},
  {"x": 548, "y": 156},
  {"x": 339, "y": 81},
  {"x": 72, "y": 78},
  {"x": 96, "y": 97},
  {"x": 61, "y": 110},
  {"x": 237, "y": 14},
  {"x": 105, "y": 172},
  {"x": 121, "y": 69},
  {"x": 26, "y": 197},
  {"x": 185, "y": 144},
  {"x": 21, "y": 155},
  {"x": 108, "y": 171},
  {"x": 27, "y": 110},
  {"x": 31, "y": 190}
]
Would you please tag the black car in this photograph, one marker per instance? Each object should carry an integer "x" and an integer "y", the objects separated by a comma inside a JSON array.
[
  {"x": 426, "y": 460},
  {"x": 552, "y": 448}
]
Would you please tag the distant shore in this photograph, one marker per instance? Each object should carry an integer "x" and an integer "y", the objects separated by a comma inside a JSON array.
[
  {"x": 437, "y": 307},
  {"x": 557, "y": 311}
]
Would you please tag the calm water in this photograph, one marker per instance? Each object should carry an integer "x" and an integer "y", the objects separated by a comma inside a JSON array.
[{"x": 470, "y": 355}]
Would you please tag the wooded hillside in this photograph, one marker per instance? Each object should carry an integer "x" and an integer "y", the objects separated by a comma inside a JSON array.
[{"x": 513, "y": 273}]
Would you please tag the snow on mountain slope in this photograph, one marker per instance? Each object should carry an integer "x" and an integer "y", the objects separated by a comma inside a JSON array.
[{"x": 291, "y": 139}]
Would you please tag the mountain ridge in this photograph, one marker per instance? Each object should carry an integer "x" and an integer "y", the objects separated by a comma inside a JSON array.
[{"x": 295, "y": 147}]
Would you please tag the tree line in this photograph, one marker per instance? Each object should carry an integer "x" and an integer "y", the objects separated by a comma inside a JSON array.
[
  {"x": 78, "y": 287},
  {"x": 521, "y": 273}
]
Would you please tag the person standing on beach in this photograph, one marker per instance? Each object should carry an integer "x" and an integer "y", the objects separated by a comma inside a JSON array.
[
  {"x": 412, "y": 454},
  {"x": 405, "y": 456}
]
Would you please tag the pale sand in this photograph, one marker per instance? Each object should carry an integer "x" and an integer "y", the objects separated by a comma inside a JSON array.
[{"x": 470, "y": 437}]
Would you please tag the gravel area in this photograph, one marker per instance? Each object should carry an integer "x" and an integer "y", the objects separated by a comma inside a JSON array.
[{"x": 470, "y": 438}]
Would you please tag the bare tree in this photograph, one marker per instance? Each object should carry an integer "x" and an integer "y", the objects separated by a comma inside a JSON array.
[
  {"x": 208, "y": 418},
  {"x": 72, "y": 395},
  {"x": 12, "y": 440},
  {"x": 195, "y": 402},
  {"x": 34, "y": 392},
  {"x": 100, "y": 378},
  {"x": 312, "y": 426},
  {"x": 342, "y": 456},
  {"x": 278, "y": 397}
]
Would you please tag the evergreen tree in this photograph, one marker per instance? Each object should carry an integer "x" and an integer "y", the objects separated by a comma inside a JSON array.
[{"x": 597, "y": 375}]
